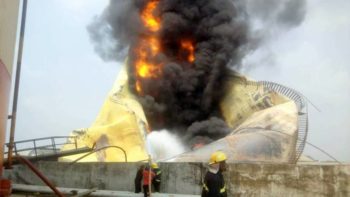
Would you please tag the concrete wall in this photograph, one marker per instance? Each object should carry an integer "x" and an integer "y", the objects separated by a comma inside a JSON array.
[
  {"x": 289, "y": 180},
  {"x": 185, "y": 178}
]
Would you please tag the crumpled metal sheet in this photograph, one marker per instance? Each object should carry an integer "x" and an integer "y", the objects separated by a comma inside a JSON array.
[
  {"x": 268, "y": 135},
  {"x": 121, "y": 122},
  {"x": 264, "y": 125}
]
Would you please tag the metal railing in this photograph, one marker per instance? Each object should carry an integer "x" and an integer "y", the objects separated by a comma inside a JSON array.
[
  {"x": 41, "y": 146},
  {"x": 301, "y": 105}
]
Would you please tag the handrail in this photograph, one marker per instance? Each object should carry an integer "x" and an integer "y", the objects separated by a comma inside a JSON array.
[
  {"x": 54, "y": 143},
  {"x": 43, "y": 147},
  {"x": 301, "y": 105},
  {"x": 52, "y": 155},
  {"x": 44, "y": 138},
  {"x": 38, "y": 148}
]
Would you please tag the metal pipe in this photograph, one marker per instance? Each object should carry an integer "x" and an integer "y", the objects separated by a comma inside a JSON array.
[
  {"x": 17, "y": 80},
  {"x": 96, "y": 150},
  {"x": 40, "y": 175},
  {"x": 150, "y": 176}
]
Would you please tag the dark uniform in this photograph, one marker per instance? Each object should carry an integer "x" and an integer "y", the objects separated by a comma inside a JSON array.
[
  {"x": 138, "y": 179},
  {"x": 156, "y": 180},
  {"x": 214, "y": 185}
]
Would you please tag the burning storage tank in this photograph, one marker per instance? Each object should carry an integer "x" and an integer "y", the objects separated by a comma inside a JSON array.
[{"x": 181, "y": 76}]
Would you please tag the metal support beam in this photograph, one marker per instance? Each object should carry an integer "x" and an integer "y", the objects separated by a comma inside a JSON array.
[{"x": 40, "y": 175}]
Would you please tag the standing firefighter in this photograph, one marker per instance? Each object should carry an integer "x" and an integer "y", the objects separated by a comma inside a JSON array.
[
  {"x": 156, "y": 180},
  {"x": 138, "y": 179},
  {"x": 214, "y": 183},
  {"x": 148, "y": 176}
]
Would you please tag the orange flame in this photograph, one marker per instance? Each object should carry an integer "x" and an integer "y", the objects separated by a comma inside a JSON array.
[
  {"x": 188, "y": 46},
  {"x": 148, "y": 47},
  {"x": 138, "y": 87},
  {"x": 197, "y": 146},
  {"x": 150, "y": 21}
]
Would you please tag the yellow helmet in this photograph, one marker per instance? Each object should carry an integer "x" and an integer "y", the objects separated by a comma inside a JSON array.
[
  {"x": 217, "y": 157},
  {"x": 154, "y": 165}
]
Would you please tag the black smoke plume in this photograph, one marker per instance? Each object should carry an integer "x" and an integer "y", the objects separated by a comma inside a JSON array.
[
  {"x": 191, "y": 92},
  {"x": 206, "y": 131},
  {"x": 185, "y": 98}
]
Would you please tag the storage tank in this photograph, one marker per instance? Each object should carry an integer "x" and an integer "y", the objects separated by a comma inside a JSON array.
[{"x": 9, "y": 10}]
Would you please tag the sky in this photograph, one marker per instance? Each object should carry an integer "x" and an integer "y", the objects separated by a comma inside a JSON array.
[{"x": 64, "y": 82}]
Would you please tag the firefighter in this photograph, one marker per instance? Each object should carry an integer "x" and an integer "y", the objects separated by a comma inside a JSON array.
[
  {"x": 148, "y": 176},
  {"x": 214, "y": 183},
  {"x": 156, "y": 180},
  {"x": 138, "y": 179}
]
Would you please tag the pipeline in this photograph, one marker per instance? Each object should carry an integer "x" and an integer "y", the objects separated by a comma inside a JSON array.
[
  {"x": 40, "y": 175},
  {"x": 120, "y": 148}
]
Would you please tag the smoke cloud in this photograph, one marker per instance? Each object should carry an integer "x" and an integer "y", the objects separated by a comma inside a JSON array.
[
  {"x": 207, "y": 131},
  {"x": 185, "y": 98},
  {"x": 113, "y": 31},
  {"x": 289, "y": 13},
  {"x": 270, "y": 18}
]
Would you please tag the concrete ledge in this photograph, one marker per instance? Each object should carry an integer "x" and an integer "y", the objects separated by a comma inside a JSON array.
[
  {"x": 97, "y": 193},
  {"x": 242, "y": 179}
]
